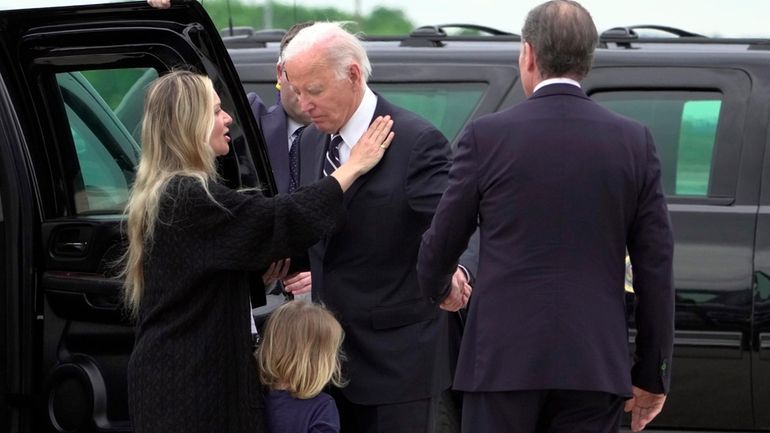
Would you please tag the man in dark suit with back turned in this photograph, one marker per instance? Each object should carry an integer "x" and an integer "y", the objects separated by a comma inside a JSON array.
[
  {"x": 561, "y": 186},
  {"x": 395, "y": 340}
]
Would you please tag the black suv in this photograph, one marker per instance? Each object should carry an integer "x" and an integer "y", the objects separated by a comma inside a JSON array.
[
  {"x": 707, "y": 102},
  {"x": 71, "y": 92}
]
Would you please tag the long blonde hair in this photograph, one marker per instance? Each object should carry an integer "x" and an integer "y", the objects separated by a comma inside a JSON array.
[
  {"x": 176, "y": 130},
  {"x": 300, "y": 350}
]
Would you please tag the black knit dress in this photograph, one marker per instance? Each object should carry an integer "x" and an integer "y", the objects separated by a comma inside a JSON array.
[{"x": 192, "y": 369}]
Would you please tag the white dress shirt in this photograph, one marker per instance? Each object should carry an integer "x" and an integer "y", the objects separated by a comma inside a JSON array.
[
  {"x": 358, "y": 123},
  {"x": 559, "y": 80},
  {"x": 291, "y": 127}
]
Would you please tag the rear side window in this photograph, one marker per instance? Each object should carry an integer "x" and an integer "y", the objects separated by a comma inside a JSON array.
[
  {"x": 446, "y": 105},
  {"x": 104, "y": 109},
  {"x": 684, "y": 126}
]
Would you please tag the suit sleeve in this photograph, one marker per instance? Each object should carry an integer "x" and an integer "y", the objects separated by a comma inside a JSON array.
[
  {"x": 258, "y": 107},
  {"x": 453, "y": 224},
  {"x": 470, "y": 257},
  {"x": 651, "y": 247},
  {"x": 426, "y": 177}
]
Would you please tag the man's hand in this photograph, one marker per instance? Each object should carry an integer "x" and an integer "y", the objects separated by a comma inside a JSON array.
[
  {"x": 644, "y": 406},
  {"x": 458, "y": 294},
  {"x": 298, "y": 284},
  {"x": 276, "y": 271},
  {"x": 160, "y": 4}
]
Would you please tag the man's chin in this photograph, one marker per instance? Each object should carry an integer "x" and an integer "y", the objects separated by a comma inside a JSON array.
[{"x": 324, "y": 127}]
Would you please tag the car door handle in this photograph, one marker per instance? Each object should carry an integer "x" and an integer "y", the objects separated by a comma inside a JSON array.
[
  {"x": 764, "y": 346},
  {"x": 71, "y": 247},
  {"x": 71, "y": 241}
]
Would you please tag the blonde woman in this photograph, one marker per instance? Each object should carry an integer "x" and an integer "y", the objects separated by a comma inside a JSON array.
[
  {"x": 299, "y": 355},
  {"x": 191, "y": 243}
]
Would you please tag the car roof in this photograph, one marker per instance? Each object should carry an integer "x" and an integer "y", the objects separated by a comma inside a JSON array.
[
  {"x": 652, "y": 38},
  {"x": 626, "y": 48},
  {"x": 35, "y": 4}
]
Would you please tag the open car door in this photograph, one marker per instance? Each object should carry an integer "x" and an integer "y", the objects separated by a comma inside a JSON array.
[{"x": 71, "y": 97}]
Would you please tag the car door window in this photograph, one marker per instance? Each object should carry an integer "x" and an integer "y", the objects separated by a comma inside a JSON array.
[
  {"x": 684, "y": 125},
  {"x": 104, "y": 109}
]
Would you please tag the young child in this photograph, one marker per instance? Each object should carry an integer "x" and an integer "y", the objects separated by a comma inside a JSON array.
[{"x": 298, "y": 356}]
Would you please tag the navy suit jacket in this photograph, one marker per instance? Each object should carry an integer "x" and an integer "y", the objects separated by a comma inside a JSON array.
[
  {"x": 395, "y": 339},
  {"x": 561, "y": 187},
  {"x": 274, "y": 123}
]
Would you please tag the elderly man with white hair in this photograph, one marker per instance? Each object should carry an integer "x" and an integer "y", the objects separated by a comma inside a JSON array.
[{"x": 395, "y": 339}]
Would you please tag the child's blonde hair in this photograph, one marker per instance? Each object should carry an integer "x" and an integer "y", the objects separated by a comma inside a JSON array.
[{"x": 300, "y": 349}]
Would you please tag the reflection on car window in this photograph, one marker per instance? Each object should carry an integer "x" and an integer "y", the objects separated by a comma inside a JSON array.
[
  {"x": 684, "y": 125},
  {"x": 104, "y": 110},
  {"x": 103, "y": 186},
  {"x": 446, "y": 105}
]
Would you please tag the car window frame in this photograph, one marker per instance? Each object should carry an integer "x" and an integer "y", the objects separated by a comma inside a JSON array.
[
  {"x": 57, "y": 153},
  {"x": 735, "y": 86}
]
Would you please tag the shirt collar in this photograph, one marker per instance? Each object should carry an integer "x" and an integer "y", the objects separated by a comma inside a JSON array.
[
  {"x": 559, "y": 80},
  {"x": 359, "y": 122},
  {"x": 291, "y": 126}
]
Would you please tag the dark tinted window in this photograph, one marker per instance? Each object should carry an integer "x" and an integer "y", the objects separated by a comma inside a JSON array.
[
  {"x": 684, "y": 125},
  {"x": 446, "y": 105}
]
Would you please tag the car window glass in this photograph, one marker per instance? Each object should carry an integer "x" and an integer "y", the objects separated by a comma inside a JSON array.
[
  {"x": 104, "y": 109},
  {"x": 684, "y": 126},
  {"x": 446, "y": 105}
]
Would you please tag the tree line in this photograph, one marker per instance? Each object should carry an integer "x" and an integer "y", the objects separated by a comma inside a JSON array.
[{"x": 381, "y": 21}]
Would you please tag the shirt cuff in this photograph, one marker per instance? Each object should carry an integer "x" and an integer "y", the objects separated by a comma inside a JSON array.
[{"x": 465, "y": 271}]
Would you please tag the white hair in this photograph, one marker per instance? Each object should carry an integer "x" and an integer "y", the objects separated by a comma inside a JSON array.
[{"x": 342, "y": 47}]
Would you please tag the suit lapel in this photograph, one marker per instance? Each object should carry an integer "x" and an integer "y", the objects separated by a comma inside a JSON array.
[
  {"x": 312, "y": 151},
  {"x": 381, "y": 109},
  {"x": 313, "y": 144}
]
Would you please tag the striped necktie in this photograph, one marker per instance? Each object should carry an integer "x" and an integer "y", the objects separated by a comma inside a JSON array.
[{"x": 332, "y": 160}]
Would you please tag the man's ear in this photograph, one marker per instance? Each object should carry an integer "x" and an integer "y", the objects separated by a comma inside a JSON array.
[
  {"x": 354, "y": 74},
  {"x": 278, "y": 72},
  {"x": 530, "y": 62}
]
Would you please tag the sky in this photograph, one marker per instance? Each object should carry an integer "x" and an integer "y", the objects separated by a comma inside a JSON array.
[{"x": 742, "y": 18}]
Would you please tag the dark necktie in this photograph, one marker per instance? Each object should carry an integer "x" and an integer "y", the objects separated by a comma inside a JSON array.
[
  {"x": 294, "y": 159},
  {"x": 332, "y": 160}
]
